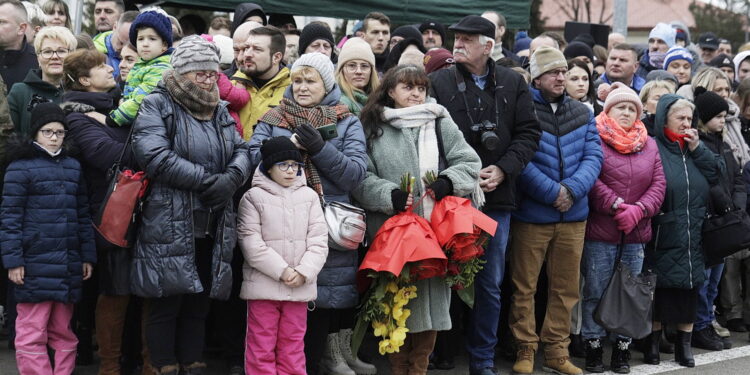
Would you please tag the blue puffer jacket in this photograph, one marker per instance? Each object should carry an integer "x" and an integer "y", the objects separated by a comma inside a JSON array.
[
  {"x": 342, "y": 166},
  {"x": 569, "y": 154},
  {"x": 46, "y": 226}
]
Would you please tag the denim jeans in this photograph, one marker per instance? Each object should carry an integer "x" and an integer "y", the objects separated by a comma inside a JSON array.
[
  {"x": 482, "y": 330},
  {"x": 707, "y": 294},
  {"x": 597, "y": 267}
]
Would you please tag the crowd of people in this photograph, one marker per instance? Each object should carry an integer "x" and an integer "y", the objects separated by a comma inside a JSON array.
[{"x": 586, "y": 156}]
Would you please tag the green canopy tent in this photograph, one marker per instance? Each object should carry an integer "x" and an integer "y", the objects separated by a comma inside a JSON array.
[{"x": 399, "y": 11}]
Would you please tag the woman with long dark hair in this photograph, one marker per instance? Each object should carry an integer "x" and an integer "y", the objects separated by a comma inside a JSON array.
[{"x": 579, "y": 84}]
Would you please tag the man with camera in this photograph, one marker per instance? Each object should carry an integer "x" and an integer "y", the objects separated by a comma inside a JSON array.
[
  {"x": 550, "y": 222},
  {"x": 492, "y": 106}
]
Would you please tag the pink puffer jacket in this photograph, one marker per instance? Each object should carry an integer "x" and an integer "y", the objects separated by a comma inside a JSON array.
[
  {"x": 281, "y": 227},
  {"x": 237, "y": 98},
  {"x": 636, "y": 177}
]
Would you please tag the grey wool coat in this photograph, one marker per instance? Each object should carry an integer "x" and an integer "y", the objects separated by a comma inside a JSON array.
[{"x": 392, "y": 155}]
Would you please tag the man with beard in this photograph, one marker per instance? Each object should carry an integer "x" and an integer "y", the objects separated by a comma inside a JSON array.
[
  {"x": 263, "y": 74},
  {"x": 492, "y": 106}
]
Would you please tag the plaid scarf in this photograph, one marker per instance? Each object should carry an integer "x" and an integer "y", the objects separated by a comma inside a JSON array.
[{"x": 290, "y": 115}]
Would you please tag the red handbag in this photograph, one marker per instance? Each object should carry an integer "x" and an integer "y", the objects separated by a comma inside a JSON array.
[{"x": 120, "y": 211}]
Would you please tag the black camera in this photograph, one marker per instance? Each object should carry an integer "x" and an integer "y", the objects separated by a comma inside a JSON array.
[{"x": 487, "y": 136}]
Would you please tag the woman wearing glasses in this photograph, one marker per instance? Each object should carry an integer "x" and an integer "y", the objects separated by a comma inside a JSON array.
[
  {"x": 333, "y": 145},
  {"x": 356, "y": 74},
  {"x": 184, "y": 138},
  {"x": 52, "y": 45}
]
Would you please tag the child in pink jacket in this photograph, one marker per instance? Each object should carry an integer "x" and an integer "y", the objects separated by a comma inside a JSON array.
[
  {"x": 236, "y": 95},
  {"x": 284, "y": 238}
]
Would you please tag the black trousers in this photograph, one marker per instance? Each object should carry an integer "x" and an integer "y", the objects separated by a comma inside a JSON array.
[{"x": 176, "y": 325}]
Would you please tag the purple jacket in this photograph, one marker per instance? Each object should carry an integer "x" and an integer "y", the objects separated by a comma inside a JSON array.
[{"x": 636, "y": 177}]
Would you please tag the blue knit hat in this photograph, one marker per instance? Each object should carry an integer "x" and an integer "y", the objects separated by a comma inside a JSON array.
[
  {"x": 155, "y": 20},
  {"x": 677, "y": 53}
]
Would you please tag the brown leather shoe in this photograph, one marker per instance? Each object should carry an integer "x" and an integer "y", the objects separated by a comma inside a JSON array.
[
  {"x": 524, "y": 360},
  {"x": 561, "y": 366}
]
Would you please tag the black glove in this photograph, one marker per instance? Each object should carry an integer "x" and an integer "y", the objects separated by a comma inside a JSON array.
[
  {"x": 208, "y": 180},
  {"x": 309, "y": 138},
  {"x": 219, "y": 192},
  {"x": 442, "y": 187},
  {"x": 398, "y": 198}
]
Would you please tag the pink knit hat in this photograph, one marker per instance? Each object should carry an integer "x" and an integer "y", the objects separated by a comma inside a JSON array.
[{"x": 618, "y": 93}]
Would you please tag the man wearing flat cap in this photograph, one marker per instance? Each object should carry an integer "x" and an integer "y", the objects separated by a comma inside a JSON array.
[
  {"x": 492, "y": 106},
  {"x": 550, "y": 222}
]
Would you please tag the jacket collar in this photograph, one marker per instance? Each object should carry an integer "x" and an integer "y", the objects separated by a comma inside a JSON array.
[
  {"x": 539, "y": 98},
  {"x": 263, "y": 181},
  {"x": 34, "y": 79},
  {"x": 490, "y": 75},
  {"x": 282, "y": 78}
]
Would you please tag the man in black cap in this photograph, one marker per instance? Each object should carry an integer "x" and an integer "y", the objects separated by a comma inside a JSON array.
[
  {"x": 724, "y": 62},
  {"x": 492, "y": 106},
  {"x": 709, "y": 44},
  {"x": 433, "y": 34}
]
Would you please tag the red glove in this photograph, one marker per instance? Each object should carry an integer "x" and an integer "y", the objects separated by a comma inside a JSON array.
[{"x": 628, "y": 216}]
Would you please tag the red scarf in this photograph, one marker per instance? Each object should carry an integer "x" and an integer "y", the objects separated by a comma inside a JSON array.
[
  {"x": 675, "y": 137},
  {"x": 623, "y": 141}
]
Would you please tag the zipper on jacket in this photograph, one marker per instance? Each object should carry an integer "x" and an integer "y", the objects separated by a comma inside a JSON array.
[
  {"x": 561, "y": 161},
  {"x": 687, "y": 211}
]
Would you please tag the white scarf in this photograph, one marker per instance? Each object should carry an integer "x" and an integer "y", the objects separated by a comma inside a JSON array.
[{"x": 53, "y": 154}]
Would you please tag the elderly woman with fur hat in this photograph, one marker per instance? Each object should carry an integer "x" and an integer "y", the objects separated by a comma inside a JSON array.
[
  {"x": 184, "y": 138},
  {"x": 627, "y": 193},
  {"x": 356, "y": 74},
  {"x": 334, "y": 166}
]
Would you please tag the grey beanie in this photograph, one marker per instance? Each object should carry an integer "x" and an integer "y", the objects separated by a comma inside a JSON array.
[
  {"x": 195, "y": 53},
  {"x": 321, "y": 63}
]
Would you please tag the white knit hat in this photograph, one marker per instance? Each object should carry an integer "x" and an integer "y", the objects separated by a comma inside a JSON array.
[
  {"x": 355, "y": 49},
  {"x": 322, "y": 64},
  {"x": 226, "y": 47}
]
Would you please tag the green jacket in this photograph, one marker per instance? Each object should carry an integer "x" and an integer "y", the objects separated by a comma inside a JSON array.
[
  {"x": 355, "y": 104},
  {"x": 22, "y": 94},
  {"x": 430, "y": 310},
  {"x": 100, "y": 41},
  {"x": 141, "y": 81},
  {"x": 678, "y": 256}
]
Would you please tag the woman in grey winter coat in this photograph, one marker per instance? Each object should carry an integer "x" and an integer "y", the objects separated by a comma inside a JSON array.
[
  {"x": 334, "y": 167},
  {"x": 184, "y": 138},
  {"x": 405, "y": 134}
]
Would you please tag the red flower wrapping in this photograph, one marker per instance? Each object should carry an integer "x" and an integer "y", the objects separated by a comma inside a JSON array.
[{"x": 460, "y": 228}]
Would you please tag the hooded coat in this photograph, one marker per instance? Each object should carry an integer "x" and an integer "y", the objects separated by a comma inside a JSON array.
[
  {"x": 25, "y": 95},
  {"x": 678, "y": 254},
  {"x": 172, "y": 147},
  {"x": 342, "y": 165},
  {"x": 243, "y": 10},
  {"x": 46, "y": 226}
]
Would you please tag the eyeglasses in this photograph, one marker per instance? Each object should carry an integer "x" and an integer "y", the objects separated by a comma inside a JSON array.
[
  {"x": 283, "y": 166},
  {"x": 48, "y": 53},
  {"x": 203, "y": 77},
  {"x": 353, "y": 67},
  {"x": 557, "y": 72},
  {"x": 47, "y": 133}
]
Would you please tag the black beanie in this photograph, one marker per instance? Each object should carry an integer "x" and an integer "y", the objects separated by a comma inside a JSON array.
[
  {"x": 311, "y": 33},
  {"x": 709, "y": 104},
  {"x": 434, "y": 25},
  {"x": 278, "y": 149},
  {"x": 576, "y": 49},
  {"x": 407, "y": 32},
  {"x": 43, "y": 114}
]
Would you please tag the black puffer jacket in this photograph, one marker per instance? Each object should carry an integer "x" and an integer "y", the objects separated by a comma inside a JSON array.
[
  {"x": 173, "y": 148},
  {"x": 518, "y": 127},
  {"x": 98, "y": 148},
  {"x": 730, "y": 173}
]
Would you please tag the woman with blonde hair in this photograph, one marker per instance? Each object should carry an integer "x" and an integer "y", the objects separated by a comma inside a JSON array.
[{"x": 356, "y": 74}]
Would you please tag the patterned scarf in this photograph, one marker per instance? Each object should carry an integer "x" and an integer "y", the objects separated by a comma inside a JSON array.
[
  {"x": 624, "y": 141},
  {"x": 290, "y": 115},
  {"x": 200, "y": 103}
]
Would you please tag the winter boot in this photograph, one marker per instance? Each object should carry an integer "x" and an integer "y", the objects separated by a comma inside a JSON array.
[
  {"x": 683, "y": 353},
  {"x": 561, "y": 366},
  {"x": 594, "y": 354},
  {"x": 333, "y": 361},
  {"x": 354, "y": 363},
  {"x": 167, "y": 370},
  {"x": 705, "y": 339},
  {"x": 524, "y": 360},
  {"x": 651, "y": 348},
  {"x": 620, "y": 357}
]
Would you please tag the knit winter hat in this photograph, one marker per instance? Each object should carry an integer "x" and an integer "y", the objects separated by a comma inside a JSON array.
[
  {"x": 677, "y": 53},
  {"x": 664, "y": 32},
  {"x": 662, "y": 75},
  {"x": 43, "y": 114},
  {"x": 522, "y": 42},
  {"x": 617, "y": 93},
  {"x": 355, "y": 49},
  {"x": 434, "y": 25},
  {"x": 321, "y": 63},
  {"x": 278, "y": 149},
  {"x": 311, "y": 33},
  {"x": 155, "y": 20},
  {"x": 709, "y": 104},
  {"x": 545, "y": 59},
  {"x": 226, "y": 49},
  {"x": 576, "y": 49},
  {"x": 436, "y": 59},
  {"x": 406, "y": 32},
  {"x": 195, "y": 53}
]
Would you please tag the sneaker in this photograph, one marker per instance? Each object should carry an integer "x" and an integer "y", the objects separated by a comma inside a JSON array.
[
  {"x": 561, "y": 366},
  {"x": 594, "y": 354},
  {"x": 721, "y": 331},
  {"x": 706, "y": 339},
  {"x": 577, "y": 348},
  {"x": 736, "y": 325},
  {"x": 524, "y": 360}
]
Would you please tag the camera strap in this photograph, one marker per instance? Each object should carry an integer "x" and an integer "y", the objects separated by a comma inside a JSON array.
[{"x": 483, "y": 95}]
